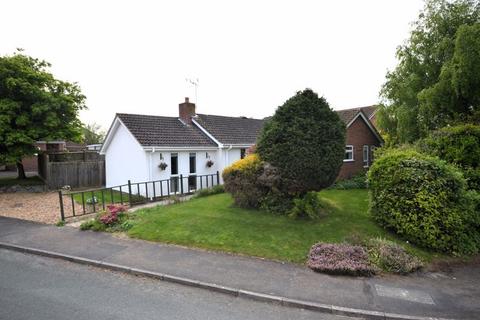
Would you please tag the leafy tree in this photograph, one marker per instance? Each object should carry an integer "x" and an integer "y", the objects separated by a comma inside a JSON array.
[
  {"x": 436, "y": 79},
  {"x": 92, "y": 134},
  {"x": 34, "y": 106},
  {"x": 305, "y": 141}
]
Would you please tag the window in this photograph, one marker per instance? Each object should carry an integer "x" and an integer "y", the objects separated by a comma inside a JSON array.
[
  {"x": 174, "y": 163},
  {"x": 372, "y": 150},
  {"x": 365, "y": 156},
  {"x": 242, "y": 153},
  {"x": 348, "y": 153}
]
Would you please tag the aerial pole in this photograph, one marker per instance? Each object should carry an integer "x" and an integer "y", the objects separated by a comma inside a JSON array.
[{"x": 194, "y": 83}]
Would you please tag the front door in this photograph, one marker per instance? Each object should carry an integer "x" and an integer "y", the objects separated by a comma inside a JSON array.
[{"x": 192, "y": 178}]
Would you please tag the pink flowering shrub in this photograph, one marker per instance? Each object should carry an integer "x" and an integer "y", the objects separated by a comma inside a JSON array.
[
  {"x": 110, "y": 217},
  {"x": 340, "y": 259}
]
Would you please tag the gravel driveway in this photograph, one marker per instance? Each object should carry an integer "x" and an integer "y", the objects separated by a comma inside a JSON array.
[{"x": 40, "y": 207}]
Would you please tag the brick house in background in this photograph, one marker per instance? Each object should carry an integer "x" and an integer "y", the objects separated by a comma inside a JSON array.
[{"x": 362, "y": 139}]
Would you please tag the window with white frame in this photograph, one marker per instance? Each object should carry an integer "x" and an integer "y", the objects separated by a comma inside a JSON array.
[
  {"x": 365, "y": 156},
  {"x": 372, "y": 150},
  {"x": 348, "y": 153}
]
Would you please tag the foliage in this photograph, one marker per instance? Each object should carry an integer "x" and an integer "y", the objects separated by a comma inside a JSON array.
[
  {"x": 241, "y": 179},
  {"x": 92, "y": 134},
  {"x": 305, "y": 141},
  {"x": 34, "y": 106},
  {"x": 60, "y": 223},
  {"x": 277, "y": 202},
  {"x": 436, "y": 80},
  {"x": 358, "y": 181},
  {"x": 391, "y": 257},
  {"x": 309, "y": 206},
  {"x": 423, "y": 199},
  {"x": 340, "y": 259},
  {"x": 210, "y": 191},
  {"x": 112, "y": 220},
  {"x": 459, "y": 145}
]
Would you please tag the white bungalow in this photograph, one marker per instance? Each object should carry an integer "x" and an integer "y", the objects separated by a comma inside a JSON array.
[{"x": 147, "y": 148}]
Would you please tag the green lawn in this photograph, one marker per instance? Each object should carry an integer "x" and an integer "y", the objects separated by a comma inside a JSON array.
[
  {"x": 213, "y": 223},
  {"x": 30, "y": 181},
  {"x": 107, "y": 196}
]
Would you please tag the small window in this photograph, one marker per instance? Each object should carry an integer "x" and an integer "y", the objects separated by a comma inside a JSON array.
[
  {"x": 174, "y": 163},
  {"x": 348, "y": 153},
  {"x": 242, "y": 153},
  {"x": 365, "y": 156}
]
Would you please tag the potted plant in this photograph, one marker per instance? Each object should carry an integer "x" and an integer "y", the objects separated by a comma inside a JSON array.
[
  {"x": 209, "y": 163},
  {"x": 163, "y": 166}
]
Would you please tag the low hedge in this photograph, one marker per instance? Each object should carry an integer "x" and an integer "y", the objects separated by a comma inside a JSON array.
[{"x": 425, "y": 200}]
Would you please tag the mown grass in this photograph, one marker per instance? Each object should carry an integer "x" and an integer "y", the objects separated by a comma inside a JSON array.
[
  {"x": 114, "y": 196},
  {"x": 214, "y": 223}
]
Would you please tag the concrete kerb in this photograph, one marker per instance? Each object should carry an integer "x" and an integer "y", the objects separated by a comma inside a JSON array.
[{"x": 257, "y": 296}]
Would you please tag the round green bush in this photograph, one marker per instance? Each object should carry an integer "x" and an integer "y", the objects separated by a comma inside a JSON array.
[
  {"x": 459, "y": 145},
  {"x": 424, "y": 199},
  {"x": 305, "y": 141}
]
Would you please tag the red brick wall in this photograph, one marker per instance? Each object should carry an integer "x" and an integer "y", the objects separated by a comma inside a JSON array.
[{"x": 358, "y": 135}]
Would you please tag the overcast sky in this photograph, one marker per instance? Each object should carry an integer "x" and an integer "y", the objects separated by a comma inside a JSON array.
[{"x": 249, "y": 56}]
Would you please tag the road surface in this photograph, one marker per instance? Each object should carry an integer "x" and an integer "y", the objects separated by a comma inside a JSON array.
[{"x": 34, "y": 287}]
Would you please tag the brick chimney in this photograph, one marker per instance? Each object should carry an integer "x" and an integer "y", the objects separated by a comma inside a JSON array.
[{"x": 186, "y": 111}]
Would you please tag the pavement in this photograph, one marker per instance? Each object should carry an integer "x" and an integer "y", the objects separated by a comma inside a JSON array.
[
  {"x": 452, "y": 295},
  {"x": 41, "y": 288}
]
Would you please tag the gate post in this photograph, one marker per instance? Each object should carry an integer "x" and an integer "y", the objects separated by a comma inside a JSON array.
[
  {"x": 129, "y": 193},
  {"x": 218, "y": 178},
  {"x": 181, "y": 184},
  {"x": 62, "y": 213}
]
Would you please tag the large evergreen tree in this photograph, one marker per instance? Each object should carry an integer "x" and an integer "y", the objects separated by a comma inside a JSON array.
[
  {"x": 305, "y": 141},
  {"x": 34, "y": 106}
]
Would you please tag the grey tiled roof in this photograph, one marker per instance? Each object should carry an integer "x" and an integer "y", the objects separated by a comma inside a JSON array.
[
  {"x": 231, "y": 130},
  {"x": 347, "y": 115},
  {"x": 164, "y": 131}
]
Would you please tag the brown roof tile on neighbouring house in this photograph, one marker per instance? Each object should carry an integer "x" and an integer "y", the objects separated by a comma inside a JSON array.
[
  {"x": 164, "y": 131},
  {"x": 348, "y": 115},
  {"x": 231, "y": 130}
]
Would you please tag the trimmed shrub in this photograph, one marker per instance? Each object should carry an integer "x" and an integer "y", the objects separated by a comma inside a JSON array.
[
  {"x": 305, "y": 141},
  {"x": 423, "y": 199},
  {"x": 241, "y": 179},
  {"x": 358, "y": 181},
  {"x": 459, "y": 145},
  {"x": 209, "y": 191},
  {"x": 340, "y": 259},
  {"x": 310, "y": 206},
  {"x": 391, "y": 257},
  {"x": 277, "y": 202}
]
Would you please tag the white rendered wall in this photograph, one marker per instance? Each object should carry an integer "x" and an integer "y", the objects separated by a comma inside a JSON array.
[{"x": 125, "y": 159}]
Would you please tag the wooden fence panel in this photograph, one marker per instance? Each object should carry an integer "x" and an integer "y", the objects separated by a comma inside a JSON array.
[{"x": 76, "y": 174}]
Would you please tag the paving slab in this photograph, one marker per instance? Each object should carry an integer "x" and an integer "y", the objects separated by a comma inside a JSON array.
[{"x": 453, "y": 295}]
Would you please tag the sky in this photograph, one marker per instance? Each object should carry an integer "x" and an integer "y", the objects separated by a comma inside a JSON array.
[{"x": 249, "y": 56}]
